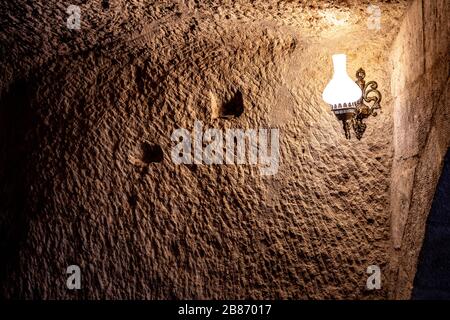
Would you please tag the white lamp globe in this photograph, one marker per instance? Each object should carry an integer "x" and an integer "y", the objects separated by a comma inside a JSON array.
[{"x": 341, "y": 93}]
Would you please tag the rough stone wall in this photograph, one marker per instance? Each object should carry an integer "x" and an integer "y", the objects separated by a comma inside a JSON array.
[
  {"x": 420, "y": 85},
  {"x": 84, "y": 120}
]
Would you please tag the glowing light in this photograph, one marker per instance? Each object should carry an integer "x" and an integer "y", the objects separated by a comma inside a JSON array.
[{"x": 341, "y": 90}]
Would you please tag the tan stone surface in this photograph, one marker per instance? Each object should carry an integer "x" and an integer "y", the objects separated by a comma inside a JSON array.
[
  {"x": 77, "y": 151},
  {"x": 421, "y": 135},
  {"x": 408, "y": 52}
]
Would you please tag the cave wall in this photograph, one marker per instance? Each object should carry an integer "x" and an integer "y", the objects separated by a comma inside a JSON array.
[
  {"x": 420, "y": 87},
  {"x": 89, "y": 179}
]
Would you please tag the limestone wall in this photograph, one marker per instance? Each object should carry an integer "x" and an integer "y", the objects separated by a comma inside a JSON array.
[
  {"x": 85, "y": 170},
  {"x": 420, "y": 87}
]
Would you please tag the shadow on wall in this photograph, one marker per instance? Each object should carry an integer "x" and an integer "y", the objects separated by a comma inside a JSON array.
[
  {"x": 15, "y": 121},
  {"x": 433, "y": 271}
]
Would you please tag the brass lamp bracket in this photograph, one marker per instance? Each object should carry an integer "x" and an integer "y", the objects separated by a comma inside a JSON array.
[{"x": 370, "y": 95}]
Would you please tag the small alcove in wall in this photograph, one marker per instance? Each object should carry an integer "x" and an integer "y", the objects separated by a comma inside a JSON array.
[{"x": 227, "y": 105}]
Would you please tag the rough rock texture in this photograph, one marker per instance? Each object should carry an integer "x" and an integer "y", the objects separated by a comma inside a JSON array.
[
  {"x": 86, "y": 175},
  {"x": 420, "y": 85}
]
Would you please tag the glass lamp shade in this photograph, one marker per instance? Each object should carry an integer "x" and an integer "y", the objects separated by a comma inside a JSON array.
[{"x": 342, "y": 93}]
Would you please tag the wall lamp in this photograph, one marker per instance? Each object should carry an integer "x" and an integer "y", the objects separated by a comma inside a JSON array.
[{"x": 348, "y": 98}]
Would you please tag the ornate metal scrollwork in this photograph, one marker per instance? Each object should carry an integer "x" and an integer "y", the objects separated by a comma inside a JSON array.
[{"x": 370, "y": 94}]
